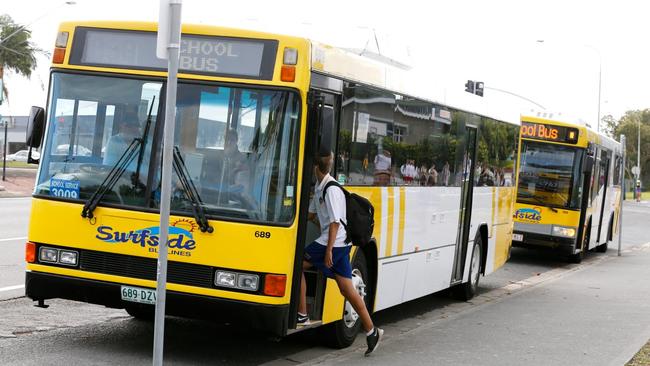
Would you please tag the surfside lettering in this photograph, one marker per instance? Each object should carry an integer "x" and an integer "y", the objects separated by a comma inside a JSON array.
[{"x": 181, "y": 241}]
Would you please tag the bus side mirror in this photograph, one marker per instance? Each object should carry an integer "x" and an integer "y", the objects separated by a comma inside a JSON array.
[
  {"x": 35, "y": 128},
  {"x": 588, "y": 165}
]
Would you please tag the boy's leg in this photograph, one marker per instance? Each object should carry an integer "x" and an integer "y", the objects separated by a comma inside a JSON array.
[
  {"x": 302, "y": 305},
  {"x": 350, "y": 293}
]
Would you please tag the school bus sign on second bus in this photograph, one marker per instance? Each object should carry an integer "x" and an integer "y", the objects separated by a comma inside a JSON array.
[{"x": 546, "y": 132}]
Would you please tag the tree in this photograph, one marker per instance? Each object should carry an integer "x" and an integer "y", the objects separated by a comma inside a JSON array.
[
  {"x": 17, "y": 52},
  {"x": 609, "y": 125},
  {"x": 628, "y": 125}
]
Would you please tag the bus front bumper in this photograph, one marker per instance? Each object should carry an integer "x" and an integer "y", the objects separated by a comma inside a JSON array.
[
  {"x": 563, "y": 245},
  {"x": 267, "y": 318}
]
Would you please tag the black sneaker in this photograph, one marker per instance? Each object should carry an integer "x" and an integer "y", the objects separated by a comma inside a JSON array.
[
  {"x": 303, "y": 320},
  {"x": 373, "y": 340}
]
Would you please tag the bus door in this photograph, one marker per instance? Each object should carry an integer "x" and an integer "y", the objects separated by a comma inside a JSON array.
[
  {"x": 603, "y": 178},
  {"x": 467, "y": 185},
  {"x": 322, "y": 125}
]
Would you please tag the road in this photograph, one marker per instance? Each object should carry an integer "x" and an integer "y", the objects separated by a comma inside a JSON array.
[
  {"x": 71, "y": 332},
  {"x": 14, "y": 214}
]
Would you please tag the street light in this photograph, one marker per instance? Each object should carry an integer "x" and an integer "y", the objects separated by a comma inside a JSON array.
[{"x": 600, "y": 68}]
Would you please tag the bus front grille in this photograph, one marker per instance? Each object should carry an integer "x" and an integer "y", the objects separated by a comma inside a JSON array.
[{"x": 145, "y": 268}]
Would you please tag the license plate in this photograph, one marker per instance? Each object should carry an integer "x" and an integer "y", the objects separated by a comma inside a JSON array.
[
  {"x": 518, "y": 237},
  {"x": 138, "y": 294}
]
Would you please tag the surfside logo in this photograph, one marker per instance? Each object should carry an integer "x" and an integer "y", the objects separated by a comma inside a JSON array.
[
  {"x": 528, "y": 214},
  {"x": 181, "y": 240}
]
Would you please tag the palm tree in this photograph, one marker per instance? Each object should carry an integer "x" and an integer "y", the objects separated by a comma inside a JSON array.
[{"x": 17, "y": 52}]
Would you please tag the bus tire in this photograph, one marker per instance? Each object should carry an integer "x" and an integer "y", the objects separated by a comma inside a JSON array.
[
  {"x": 342, "y": 333},
  {"x": 140, "y": 311},
  {"x": 577, "y": 258},
  {"x": 466, "y": 291}
]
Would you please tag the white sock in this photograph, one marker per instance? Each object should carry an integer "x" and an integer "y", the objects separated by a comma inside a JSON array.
[
  {"x": 371, "y": 331},
  {"x": 301, "y": 314}
]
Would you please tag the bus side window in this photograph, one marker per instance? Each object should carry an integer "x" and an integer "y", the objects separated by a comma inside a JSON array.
[{"x": 366, "y": 119}]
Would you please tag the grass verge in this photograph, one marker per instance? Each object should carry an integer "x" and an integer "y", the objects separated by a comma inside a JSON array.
[
  {"x": 644, "y": 196},
  {"x": 642, "y": 358},
  {"x": 18, "y": 164}
]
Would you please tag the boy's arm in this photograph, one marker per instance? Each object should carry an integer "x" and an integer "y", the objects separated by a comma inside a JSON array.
[
  {"x": 311, "y": 216},
  {"x": 331, "y": 238}
]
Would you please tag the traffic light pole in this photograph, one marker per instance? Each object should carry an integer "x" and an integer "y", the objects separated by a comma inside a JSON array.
[{"x": 516, "y": 95}]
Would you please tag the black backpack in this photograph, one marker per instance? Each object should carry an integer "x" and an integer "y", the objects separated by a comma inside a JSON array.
[{"x": 360, "y": 216}]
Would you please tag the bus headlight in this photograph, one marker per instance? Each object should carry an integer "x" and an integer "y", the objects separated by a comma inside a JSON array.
[
  {"x": 68, "y": 257},
  {"x": 48, "y": 255},
  {"x": 225, "y": 279},
  {"x": 247, "y": 282},
  {"x": 566, "y": 232},
  {"x": 241, "y": 281}
]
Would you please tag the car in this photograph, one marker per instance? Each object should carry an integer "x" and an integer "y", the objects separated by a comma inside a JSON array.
[
  {"x": 21, "y": 155},
  {"x": 77, "y": 150}
]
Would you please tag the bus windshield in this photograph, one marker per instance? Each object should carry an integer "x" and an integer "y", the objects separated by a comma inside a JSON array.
[
  {"x": 549, "y": 175},
  {"x": 238, "y": 146}
]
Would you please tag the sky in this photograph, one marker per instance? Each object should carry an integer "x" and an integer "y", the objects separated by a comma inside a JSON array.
[{"x": 552, "y": 55}]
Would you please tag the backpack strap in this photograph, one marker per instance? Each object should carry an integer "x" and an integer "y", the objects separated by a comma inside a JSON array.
[
  {"x": 345, "y": 193},
  {"x": 334, "y": 183}
]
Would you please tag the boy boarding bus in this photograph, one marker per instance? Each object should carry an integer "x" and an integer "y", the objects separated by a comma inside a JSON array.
[
  {"x": 252, "y": 110},
  {"x": 568, "y": 189}
]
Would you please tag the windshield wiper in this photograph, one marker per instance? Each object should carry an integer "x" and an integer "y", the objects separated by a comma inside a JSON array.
[
  {"x": 136, "y": 176},
  {"x": 111, "y": 178},
  {"x": 191, "y": 192}
]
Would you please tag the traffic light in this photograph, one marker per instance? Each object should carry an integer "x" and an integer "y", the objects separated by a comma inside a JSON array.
[
  {"x": 469, "y": 86},
  {"x": 478, "y": 88},
  {"x": 474, "y": 87}
]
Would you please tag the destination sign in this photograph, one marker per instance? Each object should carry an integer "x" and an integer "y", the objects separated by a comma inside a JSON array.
[
  {"x": 223, "y": 56},
  {"x": 540, "y": 131}
]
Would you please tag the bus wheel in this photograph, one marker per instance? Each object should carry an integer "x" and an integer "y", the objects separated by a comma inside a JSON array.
[
  {"x": 466, "y": 291},
  {"x": 577, "y": 258},
  {"x": 342, "y": 333},
  {"x": 141, "y": 312}
]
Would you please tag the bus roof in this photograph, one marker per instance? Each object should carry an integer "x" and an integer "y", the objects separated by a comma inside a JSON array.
[
  {"x": 342, "y": 63},
  {"x": 324, "y": 59}
]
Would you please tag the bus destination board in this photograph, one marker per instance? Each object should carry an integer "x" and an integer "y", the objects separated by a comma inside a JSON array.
[
  {"x": 540, "y": 131},
  {"x": 210, "y": 55}
]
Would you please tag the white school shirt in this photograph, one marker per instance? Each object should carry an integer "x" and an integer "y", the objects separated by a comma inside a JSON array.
[{"x": 330, "y": 210}]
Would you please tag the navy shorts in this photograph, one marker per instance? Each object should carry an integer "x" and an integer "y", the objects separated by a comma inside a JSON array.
[{"x": 315, "y": 254}]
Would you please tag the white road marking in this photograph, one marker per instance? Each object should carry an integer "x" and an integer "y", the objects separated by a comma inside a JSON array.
[
  {"x": 10, "y": 288},
  {"x": 14, "y": 239}
]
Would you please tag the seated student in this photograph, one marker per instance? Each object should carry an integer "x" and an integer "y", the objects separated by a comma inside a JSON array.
[
  {"x": 127, "y": 130},
  {"x": 330, "y": 253},
  {"x": 235, "y": 165}
]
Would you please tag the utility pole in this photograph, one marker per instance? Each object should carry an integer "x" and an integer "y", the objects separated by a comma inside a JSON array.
[
  {"x": 168, "y": 47},
  {"x": 620, "y": 212},
  {"x": 4, "y": 152},
  {"x": 638, "y": 154}
]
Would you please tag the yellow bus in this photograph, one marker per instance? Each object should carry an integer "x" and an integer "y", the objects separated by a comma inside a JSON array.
[
  {"x": 252, "y": 110},
  {"x": 568, "y": 192}
]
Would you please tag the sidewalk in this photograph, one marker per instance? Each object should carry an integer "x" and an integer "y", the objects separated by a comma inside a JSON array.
[
  {"x": 599, "y": 315},
  {"x": 19, "y": 182}
]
